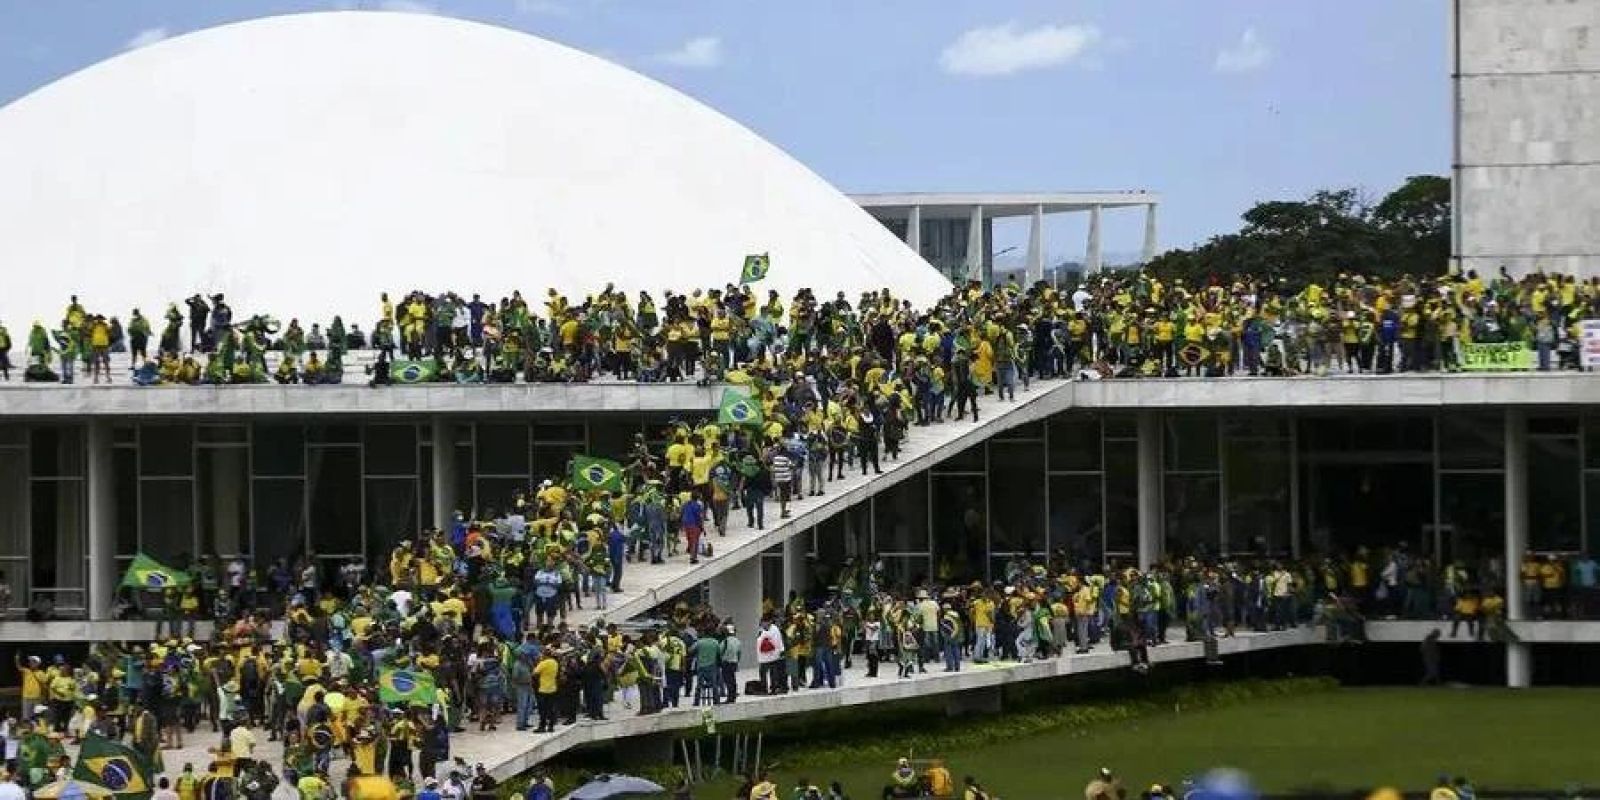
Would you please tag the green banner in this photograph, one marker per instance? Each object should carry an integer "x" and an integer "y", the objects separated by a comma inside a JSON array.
[{"x": 1500, "y": 357}]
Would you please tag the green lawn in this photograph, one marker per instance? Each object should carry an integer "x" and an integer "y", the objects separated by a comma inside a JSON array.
[{"x": 1340, "y": 739}]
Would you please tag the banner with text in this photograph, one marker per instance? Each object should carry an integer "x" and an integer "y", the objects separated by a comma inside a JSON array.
[
  {"x": 1498, "y": 357},
  {"x": 1591, "y": 344}
]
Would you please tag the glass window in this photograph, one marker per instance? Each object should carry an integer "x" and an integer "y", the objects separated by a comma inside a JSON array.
[
  {"x": 391, "y": 515},
  {"x": 1074, "y": 442},
  {"x": 1029, "y": 431},
  {"x": 1472, "y": 513},
  {"x": 960, "y": 529},
  {"x": 496, "y": 494},
  {"x": 772, "y": 578},
  {"x": 1591, "y": 442},
  {"x": 57, "y": 452},
  {"x": 166, "y": 520},
  {"x": 1191, "y": 442},
  {"x": 550, "y": 460},
  {"x": 13, "y": 511},
  {"x": 1121, "y": 426},
  {"x": 278, "y": 450},
  {"x": 223, "y": 491},
  {"x": 566, "y": 432},
  {"x": 334, "y": 477},
  {"x": 278, "y": 520},
  {"x": 464, "y": 487},
  {"x": 125, "y": 481},
  {"x": 343, "y": 433},
  {"x": 612, "y": 436},
  {"x": 390, "y": 450},
  {"x": 1121, "y": 498},
  {"x": 60, "y": 534},
  {"x": 1469, "y": 440},
  {"x": 222, "y": 434},
  {"x": 901, "y": 517},
  {"x": 1075, "y": 519},
  {"x": 502, "y": 448},
  {"x": 125, "y": 434},
  {"x": 1256, "y": 425},
  {"x": 844, "y": 536},
  {"x": 1017, "y": 499},
  {"x": 1554, "y": 482},
  {"x": 1193, "y": 525},
  {"x": 903, "y": 572},
  {"x": 968, "y": 460},
  {"x": 1258, "y": 496},
  {"x": 1553, "y": 424},
  {"x": 425, "y": 484},
  {"x": 166, "y": 451}
]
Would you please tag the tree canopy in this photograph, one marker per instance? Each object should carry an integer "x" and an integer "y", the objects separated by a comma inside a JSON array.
[{"x": 1332, "y": 231}]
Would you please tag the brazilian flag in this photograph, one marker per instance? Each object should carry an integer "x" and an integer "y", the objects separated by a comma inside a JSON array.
[
  {"x": 755, "y": 268},
  {"x": 738, "y": 408},
  {"x": 36, "y": 750},
  {"x": 406, "y": 371},
  {"x": 596, "y": 474},
  {"x": 115, "y": 766},
  {"x": 411, "y": 687},
  {"x": 148, "y": 573}
]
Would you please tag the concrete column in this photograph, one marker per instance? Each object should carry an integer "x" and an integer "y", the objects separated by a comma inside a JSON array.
[
  {"x": 976, "y": 246},
  {"x": 102, "y": 501},
  {"x": 1519, "y": 666},
  {"x": 737, "y": 594},
  {"x": 794, "y": 564},
  {"x": 1091, "y": 255},
  {"x": 444, "y": 473},
  {"x": 1149, "y": 233},
  {"x": 1036, "y": 247},
  {"x": 1150, "y": 509},
  {"x": 914, "y": 229}
]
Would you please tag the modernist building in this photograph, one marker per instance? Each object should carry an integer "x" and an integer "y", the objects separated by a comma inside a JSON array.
[
  {"x": 954, "y": 231},
  {"x": 1527, "y": 160}
]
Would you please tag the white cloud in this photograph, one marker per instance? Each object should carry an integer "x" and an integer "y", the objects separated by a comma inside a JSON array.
[
  {"x": 1007, "y": 49},
  {"x": 147, "y": 37},
  {"x": 1247, "y": 55},
  {"x": 409, "y": 6},
  {"x": 701, "y": 52}
]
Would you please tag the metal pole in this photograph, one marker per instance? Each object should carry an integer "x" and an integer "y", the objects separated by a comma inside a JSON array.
[{"x": 756, "y": 770}]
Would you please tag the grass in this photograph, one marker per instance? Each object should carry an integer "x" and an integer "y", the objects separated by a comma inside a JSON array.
[{"x": 1335, "y": 740}]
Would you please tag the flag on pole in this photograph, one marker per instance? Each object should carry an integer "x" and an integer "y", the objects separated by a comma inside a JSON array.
[
  {"x": 148, "y": 573},
  {"x": 738, "y": 408},
  {"x": 407, "y": 371},
  {"x": 411, "y": 687},
  {"x": 755, "y": 268},
  {"x": 115, "y": 766},
  {"x": 596, "y": 474}
]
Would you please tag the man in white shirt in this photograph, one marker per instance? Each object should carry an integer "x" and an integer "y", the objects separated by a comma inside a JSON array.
[
  {"x": 402, "y": 601},
  {"x": 769, "y": 659}
]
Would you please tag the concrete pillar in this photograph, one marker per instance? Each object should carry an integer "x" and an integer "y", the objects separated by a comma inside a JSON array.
[
  {"x": 1036, "y": 247},
  {"x": 444, "y": 473},
  {"x": 1091, "y": 255},
  {"x": 1150, "y": 509},
  {"x": 976, "y": 247},
  {"x": 794, "y": 564},
  {"x": 102, "y": 501},
  {"x": 737, "y": 594},
  {"x": 1149, "y": 253},
  {"x": 914, "y": 229},
  {"x": 1519, "y": 666}
]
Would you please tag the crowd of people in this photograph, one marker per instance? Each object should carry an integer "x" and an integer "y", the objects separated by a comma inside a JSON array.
[{"x": 1121, "y": 324}]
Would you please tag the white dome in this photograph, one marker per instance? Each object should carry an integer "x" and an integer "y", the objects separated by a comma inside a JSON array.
[{"x": 303, "y": 163}]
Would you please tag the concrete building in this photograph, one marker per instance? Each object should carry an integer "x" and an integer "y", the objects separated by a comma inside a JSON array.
[
  {"x": 954, "y": 230},
  {"x": 1527, "y": 139}
]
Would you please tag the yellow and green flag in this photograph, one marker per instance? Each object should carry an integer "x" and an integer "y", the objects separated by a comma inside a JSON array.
[
  {"x": 596, "y": 474},
  {"x": 738, "y": 408},
  {"x": 148, "y": 573},
  {"x": 755, "y": 268},
  {"x": 115, "y": 766},
  {"x": 407, "y": 371},
  {"x": 411, "y": 687}
]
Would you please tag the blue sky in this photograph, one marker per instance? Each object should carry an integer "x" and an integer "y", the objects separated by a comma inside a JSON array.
[{"x": 1214, "y": 103}]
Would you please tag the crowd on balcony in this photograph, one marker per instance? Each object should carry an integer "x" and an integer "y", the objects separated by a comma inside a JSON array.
[{"x": 1125, "y": 324}]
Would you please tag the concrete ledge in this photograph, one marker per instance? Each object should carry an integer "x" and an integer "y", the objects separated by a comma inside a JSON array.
[
  {"x": 1372, "y": 391},
  {"x": 861, "y": 692},
  {"x": 1530, "y": 631}
]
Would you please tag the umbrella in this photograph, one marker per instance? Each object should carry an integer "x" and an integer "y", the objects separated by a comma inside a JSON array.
[
  {"x": 604, "y": 787},
  {"x": 71, "y": 790}
]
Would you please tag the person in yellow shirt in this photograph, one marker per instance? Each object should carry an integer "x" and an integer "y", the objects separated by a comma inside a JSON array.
[
  {"x": 982, "y": 612},
  {"x": 33, "y": 684},
  {"x": 545, "y": 673}
]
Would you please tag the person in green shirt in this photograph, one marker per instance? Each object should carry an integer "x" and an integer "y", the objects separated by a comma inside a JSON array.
[
  {"x": 5, "y": 353},
  {"x": 313, "y": 786},
  {"x": 707, "y": 658}
]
